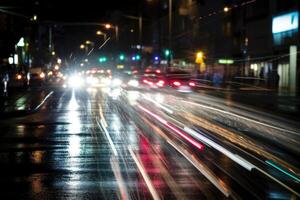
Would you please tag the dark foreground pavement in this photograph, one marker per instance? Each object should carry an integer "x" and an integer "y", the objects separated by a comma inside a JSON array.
[{"x": 88, "y": 145}]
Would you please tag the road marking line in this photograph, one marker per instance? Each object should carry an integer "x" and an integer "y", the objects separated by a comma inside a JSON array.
[
  {"x": 114, "y": 162},
  {"x": 102, "y": 115},
  {"x": 158, "y": 104},
  {"x": 236, "y": 158},
  {"x": 101, "y": 124},
  {"x": 36, "y": 108},
  {"x": 144, "y": 175}
]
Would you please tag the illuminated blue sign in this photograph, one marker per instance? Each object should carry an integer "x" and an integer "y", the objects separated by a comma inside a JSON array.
[{"x": 286, "y": 22}]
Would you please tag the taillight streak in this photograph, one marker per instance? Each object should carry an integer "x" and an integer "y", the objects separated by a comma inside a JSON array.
[
  {"x": 192, "y": 84},
  {"x": 176, "y": 83},
  {"x": 173, "y": 128},
  {"x": 160, "y": 83}
]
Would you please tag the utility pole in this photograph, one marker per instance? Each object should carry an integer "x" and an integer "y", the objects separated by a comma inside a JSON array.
[
  {"x": 170, "y": 24},
  {"x": 170, "y": 33},
  {"x": 50, "y": 39}
]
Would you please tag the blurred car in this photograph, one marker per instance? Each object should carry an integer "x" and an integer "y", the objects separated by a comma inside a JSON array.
[
  {"x": 152, "y": 78},
  {"x": 18, "y": 80},
  {"x": 56, "y": 78},
  {"x": 129, "y": 79},
  {"x": 179, "y": 80},
  {"x": 37, "y": 76},
  {"x": 98, "y": 77},
  {"x": 176, "y": 79}
]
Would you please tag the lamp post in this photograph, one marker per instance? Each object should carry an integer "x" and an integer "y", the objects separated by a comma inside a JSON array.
[
  {"x": 140, "y": 21},
  {"x": 101, "y": 33},
  {"x": 170, "y": 23},
  {"x": 116, "y": 27}
]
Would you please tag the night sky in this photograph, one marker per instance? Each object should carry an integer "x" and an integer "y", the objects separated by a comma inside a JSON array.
[{"x": 70, "y": 10}]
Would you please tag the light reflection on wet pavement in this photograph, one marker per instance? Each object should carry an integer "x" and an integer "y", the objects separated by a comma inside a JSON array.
[
  {"x": 85, "y": 145},
  {"x": 61, "y": 152}
]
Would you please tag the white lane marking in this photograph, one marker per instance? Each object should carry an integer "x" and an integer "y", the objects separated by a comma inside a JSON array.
[
  {"x": 239, "y": 160},
  {"x": 242, "y": 117},
  {"x": 144, "y": 175},
  {"x": 36, "y": 108},
  {"x": 102, "y": 115},
  {"x": 158, "y": 104},
  {"x": 113, "y": 147},
  {"x": 213, "y": 179},
  {"x": 114, "y": 162}
]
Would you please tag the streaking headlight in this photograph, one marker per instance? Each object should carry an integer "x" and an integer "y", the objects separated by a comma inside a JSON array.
[
  {"x": 115, "y": 93},
  {"x": 92, "y": 80},
  {"x": 105, "y": 81},
  {"x": 75, "y": 81},
  {"x": 116, "y": 82},
  {"x": 133, "y": 83}
]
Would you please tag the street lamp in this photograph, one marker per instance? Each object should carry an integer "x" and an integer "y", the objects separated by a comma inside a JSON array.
[
  {"x": 109, "y": 26},
  {"x": 140, "y": 21},
  {"x": 87, "y": 42},
  {"x": 101, "y": 33},
  {"x": 82, "y": 46},
  {"x": 226, "y": 9}
]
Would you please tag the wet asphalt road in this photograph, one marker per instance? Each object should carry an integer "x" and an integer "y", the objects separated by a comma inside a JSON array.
[{"x": 87, "y": 145}]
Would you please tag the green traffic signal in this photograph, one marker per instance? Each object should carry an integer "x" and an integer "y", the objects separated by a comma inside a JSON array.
[
  {"x": 102, "y": 59},
  {"x": 167, "y": 52},
  {"x": 137, "y": 57},
  {"x": 122, "y": 57}
]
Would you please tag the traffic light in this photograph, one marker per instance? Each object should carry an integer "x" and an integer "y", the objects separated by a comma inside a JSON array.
[
  {"x": 167, "y": 52},
  {"x": 200, "y": 60},
  {"x": 137, "y": 57},
  {"x": 122, "y": 57},
  {"x": 199, "y": 57},
  {"x": 102, "y": 59}
]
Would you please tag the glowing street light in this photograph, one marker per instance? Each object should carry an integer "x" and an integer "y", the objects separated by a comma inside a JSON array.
[
  {"x": 82, "y": 46},
  {"x": 108, "y": 26},
  {"x": 53, "y": 53},
  {"x": 88, "y": 42},
  {"x": 226, "y": 9},
  {"x": 58, "y": 61}
]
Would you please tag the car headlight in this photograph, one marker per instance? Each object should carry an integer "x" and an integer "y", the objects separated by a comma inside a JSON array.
[
  {"x": 75, "y": 81},
  {"x": 133, "y": 83},
  {"x": 116, "y": 82},
  {"x": 92, "y": 80}
]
